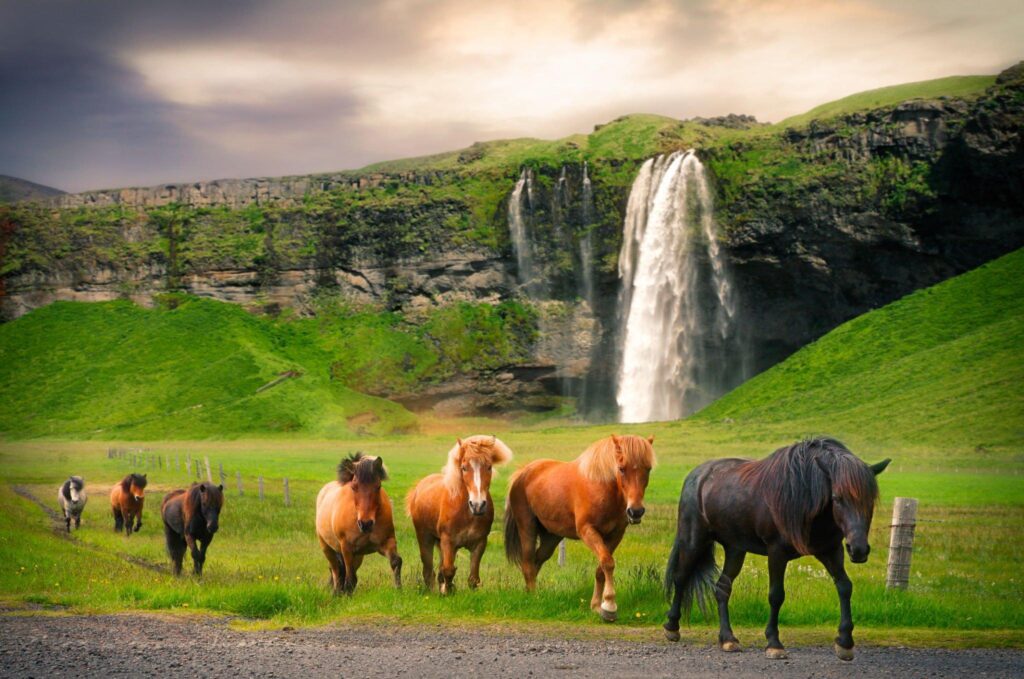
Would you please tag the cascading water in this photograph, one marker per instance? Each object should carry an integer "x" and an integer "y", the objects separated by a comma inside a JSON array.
[
  {"x": 586, "y": 243},
  {"x": 680, "y": 338},
  {"x": 517, "y": 226}
]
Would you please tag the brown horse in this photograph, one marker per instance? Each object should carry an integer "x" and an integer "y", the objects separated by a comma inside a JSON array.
[
  {"x": 354, "y": 518},
  {"x": 592, "y": 499},
  {"x": 191, "y": 516},
  {"x": 126, "y": 500},
  {"x": 454, "y": 509}
]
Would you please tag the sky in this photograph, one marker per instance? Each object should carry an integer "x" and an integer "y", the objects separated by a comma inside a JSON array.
[{"x": 99, "y": 94}]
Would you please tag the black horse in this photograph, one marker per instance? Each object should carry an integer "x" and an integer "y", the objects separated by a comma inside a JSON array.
[
  {"x": 804, "y": 499},
  {"x": 191, "y": 517}
]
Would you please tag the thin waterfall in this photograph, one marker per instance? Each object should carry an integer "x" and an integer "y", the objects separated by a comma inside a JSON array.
[
  {"x": 679, "y": 336},
  {"x": 517, "y": 226},
  {"x": 586, "y": 242}
]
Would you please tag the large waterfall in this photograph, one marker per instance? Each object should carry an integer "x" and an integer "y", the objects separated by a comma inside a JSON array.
[
  {"x": 586, "y": 241},
  {"x": 677, "y": 300}
]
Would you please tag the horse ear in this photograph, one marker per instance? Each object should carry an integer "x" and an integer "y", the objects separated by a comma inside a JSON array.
[
  {"x": 143, "y": 476},
  {"x": 879, "y": 467},
  {"x": 202, "y": 487},
  {"x": 650, "y": 439},
  {"x": 220, "y": 487},
  {"x": 459, "y": 441},
  {"x": 494, "y": 439},
  {"x": 824, "y": 468},
  {"x": 378, "y": 466}
]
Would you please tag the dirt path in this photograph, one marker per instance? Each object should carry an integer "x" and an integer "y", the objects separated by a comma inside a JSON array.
[{"x": 151, "y": 645}]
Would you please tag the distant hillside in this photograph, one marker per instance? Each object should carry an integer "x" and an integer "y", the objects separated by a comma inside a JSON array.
[
  {"x": 204, "y": 369},
  {"x": 944, "y": 364},
  {"x": 13, "y": 189}
]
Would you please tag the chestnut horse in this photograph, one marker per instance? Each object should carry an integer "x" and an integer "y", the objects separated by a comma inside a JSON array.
[
  {"x": 353, "y": 519},
  {"x": 592, "y": 499},
  {"x": 126, "y": 500},
  {"x": 804, "y": 499},
  {"x": 454, "y": 509},
  {"x": 191, "y": 516}
]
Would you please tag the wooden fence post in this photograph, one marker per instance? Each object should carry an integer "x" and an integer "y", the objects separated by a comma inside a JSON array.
[
  {"x": 561, "y": 552},
  {"x": 238, "y": 477},
  {"x": 901, "y": 542},
  {"x": 220, "y": 466},
  {"x": 188, "y": 463},
  {"x": 261, "y": 489},
  {"x": 209, "y": 473},
  {"x": 287, "y": 495}
]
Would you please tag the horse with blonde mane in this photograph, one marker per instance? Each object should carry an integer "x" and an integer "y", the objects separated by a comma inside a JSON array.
[
  {"x": 593, "y": 499},
  {"x": 453, "y": 510},
  {"x": 354, "y": 518}
]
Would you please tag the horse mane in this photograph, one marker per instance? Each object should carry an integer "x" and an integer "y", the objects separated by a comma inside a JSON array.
[
  {"x": 598, "y": 463},
  {"x": 360, "y": 467},
  {"x": 138, "y": 479},
  {"x": 478, "y": 446},
  {"x": 797, "y": 489},
  {"x": 65, "y": 489}
]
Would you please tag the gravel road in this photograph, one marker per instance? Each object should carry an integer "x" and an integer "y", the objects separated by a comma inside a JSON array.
[{"x": 142, "y": 645}]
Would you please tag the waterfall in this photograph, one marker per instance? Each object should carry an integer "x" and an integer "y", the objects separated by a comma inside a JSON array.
[
  {"x": 679, "y": 338},
  {"x": 586, "y": 243},
  {"x": 517, "y": 226}
]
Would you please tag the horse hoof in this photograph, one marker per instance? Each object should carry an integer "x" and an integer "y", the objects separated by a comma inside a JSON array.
[
  {"x": 843, "y": 653},
  {"x": 776, "y": 653},
  {"x": 606, "y": 615},
  {"x": 732, "y": 647},
  {"x": 672, "y": 634}
]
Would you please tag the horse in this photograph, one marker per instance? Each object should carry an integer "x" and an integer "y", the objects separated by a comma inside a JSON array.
[
  {"x": 72, "y": 498},
  {"x": 354, "y": 518},
  {"x": 126, "y": 500},
  {"x": 191, "y": 517},
  {"x": 454, "y": 509},
  {"x": 592, "y": 499},
  {"x": 803, "y": 499}
]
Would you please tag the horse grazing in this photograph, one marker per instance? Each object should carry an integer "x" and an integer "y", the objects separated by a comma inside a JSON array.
[
  {"x": 804, "y": 499},
  {"x": 126, "y": 500},
  {"x": 72, "y": 498},
  {"x": 354, "y": 518},
  {"x": 454, "y": 509},
  {"x": 591, "y": 499},
  {"x": 191, "y": 517}
]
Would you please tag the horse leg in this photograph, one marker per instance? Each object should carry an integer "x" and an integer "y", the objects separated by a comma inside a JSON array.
[
  {"x": 197, "y": 558},
  {"x": 390, "y": 550},
  {"x": 78, "y": 521},
  {"x": 777, "y": 562},
  {"x": 335, "y": 564},
  {"x": 475, "y": 556},
  {"x": 118, "y": 519},
  {"x": 833, "y": 563},
  {"x": 138, "y": 518},
  {"x": 446, "y": 576},
  {"x": 528, "y": 543},
  {"x": 427, "y": 544},
  {"x": 548, "y": 544},
  {"x": 723, "y": 590},
  {"x": 127, "y": 519},
  {"x": 352, "y": 562},
  {"x": 596, "y": 542},
  {"x": 203, "y": 546},
  {"x": 67, "y": 519},
  {"x": 175, "y": 548}
]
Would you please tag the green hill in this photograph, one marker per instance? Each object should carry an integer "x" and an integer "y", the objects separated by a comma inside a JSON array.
[
  {"x": 116, "y": 370},
  {"x": 944, "y": 365}
]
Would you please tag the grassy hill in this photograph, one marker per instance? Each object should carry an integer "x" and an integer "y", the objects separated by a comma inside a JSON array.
[
  {"x": 118, "y": 370},
  {"x": 942, "y": 366},
  {"x": 14, "y": 189}
]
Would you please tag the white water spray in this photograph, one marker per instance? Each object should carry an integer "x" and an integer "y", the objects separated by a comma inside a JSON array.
[
  {"x": 677, "y": 299},
  {"x": 586, "y": 242},
  {"x": 517, "y": 226}
]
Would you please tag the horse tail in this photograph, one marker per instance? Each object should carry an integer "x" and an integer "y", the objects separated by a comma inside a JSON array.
[
  {"x": 513, "y": 546},
  {"x": 410, "y": 501},
  {"x": 698, "y": 581}
]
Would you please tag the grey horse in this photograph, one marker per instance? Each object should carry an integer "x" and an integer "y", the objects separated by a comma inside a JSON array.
[{"x": 72, "y": 498}]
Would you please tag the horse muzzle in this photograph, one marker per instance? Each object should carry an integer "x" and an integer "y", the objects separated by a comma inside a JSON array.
[
  {"x": 858, "y": 554},
  {"x": 634, "y": 514},
  {"x": 212, "y": 528},
  {"x": 138, "y": 498},
  {"x": 477, "y": 508},
  {"x": 364, "y": 526}
]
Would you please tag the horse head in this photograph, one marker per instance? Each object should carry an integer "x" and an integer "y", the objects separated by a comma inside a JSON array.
[
  {"x": 211, "y": 500},
  {"x": 138, "y": 486},
  {"x": 853, "y": 496},
  {"x": 475, "y": 458},
  {"x": 75, "y": 485},
  {"x": 634, "y": 459},
  {"x": 364, "y": 474}
]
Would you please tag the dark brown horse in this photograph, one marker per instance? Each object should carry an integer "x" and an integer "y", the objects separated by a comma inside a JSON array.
[
  {"x": 126, "y": 500},
  {"x": 591, "y": 499},
  {"x": 354, "y": 518},
  {"x": 805, "y": 499},
  {"x": 191, "y": 517}
]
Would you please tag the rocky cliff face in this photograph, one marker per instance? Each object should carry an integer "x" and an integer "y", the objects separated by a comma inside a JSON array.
[{"x": 822, "y": 223}]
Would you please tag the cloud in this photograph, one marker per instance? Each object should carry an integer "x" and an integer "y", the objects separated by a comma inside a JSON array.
[{"x": 125, "y": 92}]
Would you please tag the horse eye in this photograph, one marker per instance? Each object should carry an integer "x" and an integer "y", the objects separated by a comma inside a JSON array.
[
  {"x": 622, "y": 470},
  {"x": 465, "y": 468}
]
